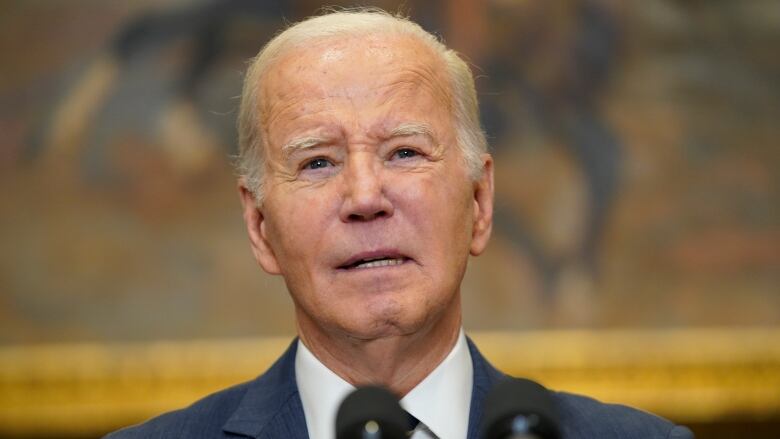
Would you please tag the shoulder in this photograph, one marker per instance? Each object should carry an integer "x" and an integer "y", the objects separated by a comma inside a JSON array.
[
  {"x": 242, "y": 409},
  {"x": 202, "y": 419},
  {"x": 583, "y": 417}
]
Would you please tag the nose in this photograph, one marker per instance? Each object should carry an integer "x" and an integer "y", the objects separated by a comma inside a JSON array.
[{"x": 364, "y": 191}]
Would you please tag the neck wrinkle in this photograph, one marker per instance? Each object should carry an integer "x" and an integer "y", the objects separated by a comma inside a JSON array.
[{"x": 398, "y": 362}]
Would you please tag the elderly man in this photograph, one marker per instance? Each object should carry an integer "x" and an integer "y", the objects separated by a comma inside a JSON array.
[{"x": 366, "y": 184}]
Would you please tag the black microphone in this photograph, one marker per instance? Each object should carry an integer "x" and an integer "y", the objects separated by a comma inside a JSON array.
[
  {"x": 519, "y": 409},
  {"x": 370, "y": 413}
]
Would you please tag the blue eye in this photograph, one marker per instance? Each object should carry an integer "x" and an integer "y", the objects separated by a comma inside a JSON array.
[
  {"x": 318, "y": 164},
  {"x": 405, "y": 153}
]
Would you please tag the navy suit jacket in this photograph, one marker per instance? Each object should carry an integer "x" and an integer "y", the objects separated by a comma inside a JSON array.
[{"x": 269, "y": 407}]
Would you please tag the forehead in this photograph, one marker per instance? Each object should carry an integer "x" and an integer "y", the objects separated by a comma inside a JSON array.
[{"x": 363, "y": 70}]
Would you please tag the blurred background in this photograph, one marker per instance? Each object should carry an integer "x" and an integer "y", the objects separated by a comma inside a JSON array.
[{"x": 636, "y": 246}]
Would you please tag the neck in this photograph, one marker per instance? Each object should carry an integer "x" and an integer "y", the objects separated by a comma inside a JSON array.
[{"x": 398, "y": 362}]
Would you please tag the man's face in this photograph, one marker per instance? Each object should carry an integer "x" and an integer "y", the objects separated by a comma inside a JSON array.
[{"x": 369, "y": 212}]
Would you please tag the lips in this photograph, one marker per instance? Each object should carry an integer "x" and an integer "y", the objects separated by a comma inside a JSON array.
[{"x": 374, "y": 259}]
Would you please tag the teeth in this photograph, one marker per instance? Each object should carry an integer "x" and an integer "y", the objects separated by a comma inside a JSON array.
[{"x": 380, "y": 263}]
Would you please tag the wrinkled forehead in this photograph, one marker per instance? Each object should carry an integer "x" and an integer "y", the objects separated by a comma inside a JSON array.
[{"x": 414, "y": 66}]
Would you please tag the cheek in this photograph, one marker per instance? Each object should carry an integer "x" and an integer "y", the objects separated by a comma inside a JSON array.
[
  {"x": 440, "y": 211},
  {"x": 299, "y": 226}
]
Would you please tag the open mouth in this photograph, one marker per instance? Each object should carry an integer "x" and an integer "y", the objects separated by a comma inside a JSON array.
[{"x": 373, "y": 262}]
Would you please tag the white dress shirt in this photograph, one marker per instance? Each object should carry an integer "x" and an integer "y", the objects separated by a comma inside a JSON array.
[{"x": 441, "y": 401}]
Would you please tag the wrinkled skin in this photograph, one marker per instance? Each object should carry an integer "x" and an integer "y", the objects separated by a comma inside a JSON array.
[{"x": 362, "y": 164}]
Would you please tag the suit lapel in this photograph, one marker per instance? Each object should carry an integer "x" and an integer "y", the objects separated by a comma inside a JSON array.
[
  {"x": 485, "y": 376},
  {"x": 271, "y": 407}
]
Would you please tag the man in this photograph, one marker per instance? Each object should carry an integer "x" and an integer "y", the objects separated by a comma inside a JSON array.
[{"x": 366, "y": 184}]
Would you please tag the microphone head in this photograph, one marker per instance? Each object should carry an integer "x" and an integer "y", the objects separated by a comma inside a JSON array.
[
  {"x": 517, "y": 408},
  {"x": 371, "y": 412}
]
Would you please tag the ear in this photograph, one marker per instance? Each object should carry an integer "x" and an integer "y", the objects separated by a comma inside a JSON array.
[
  {"x": 256, "y": 228},
  {"x": 483, "y": 207}
]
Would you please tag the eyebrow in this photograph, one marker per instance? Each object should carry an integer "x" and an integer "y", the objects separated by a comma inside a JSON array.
[
  {"x": 302, "y": 143},
  {"x": 412, "y": 129},
  {"x": 405, "y": 129}
]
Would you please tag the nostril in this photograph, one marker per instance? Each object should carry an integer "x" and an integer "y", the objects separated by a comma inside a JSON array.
[{"x": 368, "y": 217}]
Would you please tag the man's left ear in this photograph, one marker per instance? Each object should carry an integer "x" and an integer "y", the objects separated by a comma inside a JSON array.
[{"x": 483, "y": 207}]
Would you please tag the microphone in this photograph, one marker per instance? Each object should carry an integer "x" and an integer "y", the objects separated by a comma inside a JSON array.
[
  {"x": 370, "y": 413},
  {"x": 517, "y": 408}
]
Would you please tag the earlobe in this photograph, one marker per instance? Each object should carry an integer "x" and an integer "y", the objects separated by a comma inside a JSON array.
[
  {"x": 256, "y": 229},
  {"x": 483, "y": 208}
]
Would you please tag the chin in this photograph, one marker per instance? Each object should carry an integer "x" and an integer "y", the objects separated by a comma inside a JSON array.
[{"x": 389, "y": 322}]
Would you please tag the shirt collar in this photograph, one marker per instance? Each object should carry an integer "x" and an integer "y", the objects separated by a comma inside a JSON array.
[
  {"x": 321, "y": 393},
  {"x": 441, "y": 401}
]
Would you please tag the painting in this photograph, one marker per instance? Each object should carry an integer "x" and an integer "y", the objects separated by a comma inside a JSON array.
[{"x": 636, "y": 157}]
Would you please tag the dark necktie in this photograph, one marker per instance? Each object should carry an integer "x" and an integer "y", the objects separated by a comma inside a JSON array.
[{"x": 412, "y": 423}]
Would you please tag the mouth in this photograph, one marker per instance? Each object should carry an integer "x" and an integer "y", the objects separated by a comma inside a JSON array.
[{"x": 373, "y": 260}]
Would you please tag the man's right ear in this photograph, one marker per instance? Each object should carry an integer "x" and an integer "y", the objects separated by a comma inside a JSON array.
[{"x": 256, "y": 228}]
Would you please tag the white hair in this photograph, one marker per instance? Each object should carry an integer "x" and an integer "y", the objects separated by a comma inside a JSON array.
[{"x": 470, "y": 138}]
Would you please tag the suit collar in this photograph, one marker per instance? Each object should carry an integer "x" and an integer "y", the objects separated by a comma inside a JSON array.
[
  {"x": 485, "y": 377},
  {"x": 271, "y": 406}
]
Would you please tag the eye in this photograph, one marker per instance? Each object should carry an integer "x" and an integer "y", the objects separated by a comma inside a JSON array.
[
  {"x": 405, "y": 153},
  {"x": 317, "y": 163}
]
